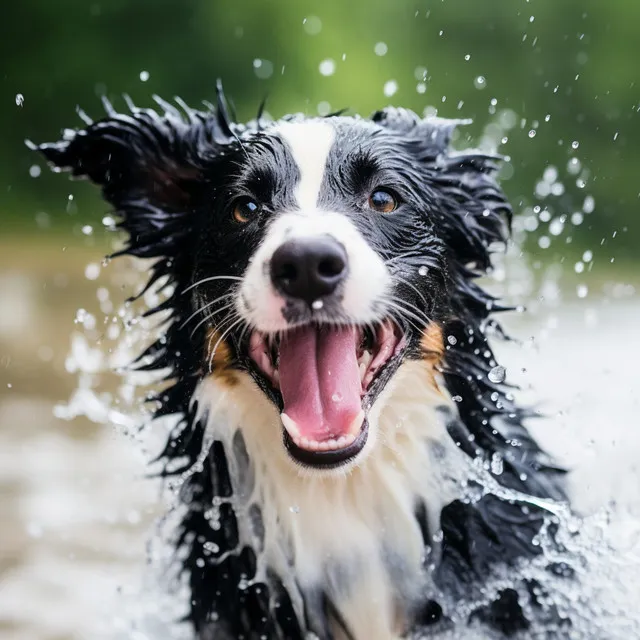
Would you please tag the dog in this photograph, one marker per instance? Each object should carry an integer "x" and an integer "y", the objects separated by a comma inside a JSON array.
[{"x": 352, "y": 464}]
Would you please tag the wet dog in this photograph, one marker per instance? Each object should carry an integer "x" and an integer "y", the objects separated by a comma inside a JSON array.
[{"x": 354, "y": 465}]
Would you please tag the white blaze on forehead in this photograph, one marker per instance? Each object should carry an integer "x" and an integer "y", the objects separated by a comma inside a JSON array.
[{"x": 309, "y": 144}]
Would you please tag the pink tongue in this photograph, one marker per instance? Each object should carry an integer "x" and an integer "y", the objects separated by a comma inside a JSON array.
[{"x": 320, "y": 380}]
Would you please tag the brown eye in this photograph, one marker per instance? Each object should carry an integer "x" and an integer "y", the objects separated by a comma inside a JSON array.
[
  {"x": 382, "y": 201},
  {"x": 245, "y": 210}
]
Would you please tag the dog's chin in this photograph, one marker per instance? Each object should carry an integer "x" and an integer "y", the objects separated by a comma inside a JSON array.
[
  {"x": 324, "y": 429},
  {"x": 339, "y": 458}
]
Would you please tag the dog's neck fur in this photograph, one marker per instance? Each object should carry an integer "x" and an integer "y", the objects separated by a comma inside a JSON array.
[{"x": 354, "y": 535}]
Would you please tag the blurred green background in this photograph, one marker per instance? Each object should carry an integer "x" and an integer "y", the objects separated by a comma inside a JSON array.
[
  {"x": 553, "y": 84},
  {"x": 566, "y": 71}
]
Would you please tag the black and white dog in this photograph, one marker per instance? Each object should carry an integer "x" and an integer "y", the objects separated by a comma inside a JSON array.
[{"x": 352, "y": 470}]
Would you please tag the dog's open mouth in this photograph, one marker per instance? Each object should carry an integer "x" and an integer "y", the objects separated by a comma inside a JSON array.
[{"x": 324, "y": 373}]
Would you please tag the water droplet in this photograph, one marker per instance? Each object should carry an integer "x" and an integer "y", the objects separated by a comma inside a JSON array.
[
  {"x": 556, "y": 226},
  {"x": 457, "y": 398},
  {"x": 582, "y": 290},
  {"x": 420, "y": 73},
  {"x": 496, "y": 464},
  {"x": 421, "y": 87},
  {"x": 35, "y": 171},
  {"x": 467, "y": 57},
  {"x": 544, "y": 242},
  {"x": 263, "y": 68},
  {"x": 497, "y": 374},
  {"x": 452, "y": 340},
  {"x": 532, "y": 133},
  {"x": 92, "y": 271},
  {"x": 390, "y": 88},
  {"x": 579, "y": 267},
  {"x": 480, "y": 82},
  {"x": 575, "y": 144},
  {"x": 327, "y": 67},
  {"x": 317, "y": 304},
  {"x": 589, "y": 204},
  {"x": 577, "y": 218},
  {"x": 550, "y": 174},
  {"x": 324, "y": 108},
  {"x": 423, "y": 271},
  {"x": 587, "y": 256},
  {"x": 380, "y": 49},
  {"x": 19, "y": 99},
  {"x": 87, "y": 229},
  {"x": 144, "y": 76},
  {"x": 312, "y": 25},
  {"x": 574, "y": 166}
]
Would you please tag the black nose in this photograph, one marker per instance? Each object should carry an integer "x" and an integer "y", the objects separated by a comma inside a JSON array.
[{"x": 308, "y": 268}]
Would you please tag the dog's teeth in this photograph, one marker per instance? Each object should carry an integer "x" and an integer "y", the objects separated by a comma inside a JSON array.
[
  {"x": 363, "y": 371},
  {"x": 355, "y": 426},
  {"x": 291, "y": 427}
]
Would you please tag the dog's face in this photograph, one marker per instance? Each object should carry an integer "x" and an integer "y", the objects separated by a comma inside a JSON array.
[
  {"x": 322, "y": 268},
  {"x": 319, "y": 254}
]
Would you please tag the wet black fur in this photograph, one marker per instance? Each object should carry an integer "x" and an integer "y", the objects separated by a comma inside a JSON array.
[{"x": 172, "y": 178}]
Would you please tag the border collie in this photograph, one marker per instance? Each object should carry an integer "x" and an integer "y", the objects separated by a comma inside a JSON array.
[{"x": 354, "y": 466}]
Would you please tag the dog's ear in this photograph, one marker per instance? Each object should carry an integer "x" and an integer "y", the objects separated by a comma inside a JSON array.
[
  {"x": 151, "y": 167},
  {"x": 473, "y": 213}
]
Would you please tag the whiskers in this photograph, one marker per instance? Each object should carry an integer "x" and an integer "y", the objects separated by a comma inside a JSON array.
[
  {"x": 400, "y": 309},
  {"x": 220, "y": 314},
  {"x": 210, "y": 279}
]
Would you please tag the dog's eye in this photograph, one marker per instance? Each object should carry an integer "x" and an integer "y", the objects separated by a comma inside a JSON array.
[
  {"x": 383, "y": 201},
  {"x": 244, "y": 210}
]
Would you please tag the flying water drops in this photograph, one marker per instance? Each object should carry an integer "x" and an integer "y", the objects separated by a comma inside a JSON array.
[
  {"x": 312, "y": 25},
  {"x": 390, "y": 88},
  {"x": 480, "y": 82},
  {"x": 497, "y": 375},
  {"x": 380, "y": 49},
  {"x": 327, "y": 67}
]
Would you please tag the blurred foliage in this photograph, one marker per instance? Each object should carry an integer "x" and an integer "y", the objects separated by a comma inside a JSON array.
[{"x": 566, "y": 68}]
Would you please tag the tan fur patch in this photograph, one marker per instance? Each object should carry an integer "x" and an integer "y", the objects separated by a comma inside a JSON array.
[
  {"x": 432, "y": 345},
  {"x": 217, "y": 354}
]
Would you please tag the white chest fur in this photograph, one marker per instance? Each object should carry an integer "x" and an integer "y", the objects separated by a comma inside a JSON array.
[{"x": 353, "y": 534}]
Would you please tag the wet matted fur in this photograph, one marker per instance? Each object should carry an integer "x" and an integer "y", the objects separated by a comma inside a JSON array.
[{"x": 283, "y": 535}]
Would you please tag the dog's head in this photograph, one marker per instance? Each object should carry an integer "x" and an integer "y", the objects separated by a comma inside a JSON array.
[{"x": 315, "y": 254}]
